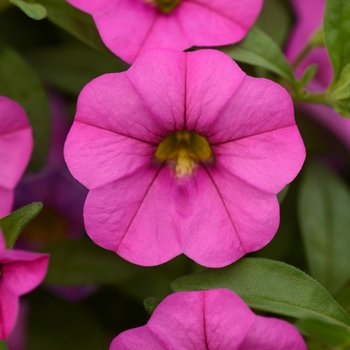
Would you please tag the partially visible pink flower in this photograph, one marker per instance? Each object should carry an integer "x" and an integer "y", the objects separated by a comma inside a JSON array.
[
  {"x": 208, "y": 320},
  {"x": 309, "y": 17},
  {"x": 183, "y": 153},
  {"x": 16, "y": 144},
  {"x": 129, "y": 27},
  {"x": 20, "y": 272}
]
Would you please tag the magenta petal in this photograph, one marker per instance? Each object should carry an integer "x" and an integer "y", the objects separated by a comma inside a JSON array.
[
  {"x": 23, "y": 271},
  {"x": 257, "y": 158},
  {"x": 8, "y": 311},
  {"x": 6, "y": 201},
  {"x": 208, "y": 320},
  {"x": 16, "y": 142},
  {"x": 90, "y": 6},
  {"x": 245, "y": 219},
  {"x": 309, "y": 15},
  {"x": 272, "y": 334},
  {"x": 211, "y": 80},
  {"x": 132, "y": 217}
]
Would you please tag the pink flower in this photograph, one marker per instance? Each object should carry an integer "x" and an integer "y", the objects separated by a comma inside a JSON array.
[
  {"x": 309, "y": 15},
  {"x": 183, "y": 153},
  {"x": 16, "y": 144},
  {"x": 20, "y": 272},
  {"x": 212, "y": 319},
  {"x": 128, "y": 27}
]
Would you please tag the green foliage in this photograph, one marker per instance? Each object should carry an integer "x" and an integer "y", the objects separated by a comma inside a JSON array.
[
  {"x": 324, "y": 207},
  {"x": 330, "y": 334},
  {"x": 70, "y": 67},
  {"x": 79, "y": 262},
  {"x": 151, "y": 304},
  {"x": 3, "y": 345},
  {"x": 13, "y": 224},
  {"x": 271, "y": 286},
  {"x": 19, "y": 82},
  {"x": 56, "y": 324},
  {"x": 34, "y": 11},
  {"x": 337, "y": 33},
  {"x": 76, "y": 22},
  {"x": 259, "y": 49}
]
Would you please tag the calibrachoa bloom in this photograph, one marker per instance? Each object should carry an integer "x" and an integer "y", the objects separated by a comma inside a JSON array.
[
  {"x": 183, "y": 153},
  {"x": 309, "y": 14},
  {"x": 129, "y": 27},
  {"x": 16, "y": 144},
  {"x": 20, "y": 272},
  {"x": 212, "y": 319}
]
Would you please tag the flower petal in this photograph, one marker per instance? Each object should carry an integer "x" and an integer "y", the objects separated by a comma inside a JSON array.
[
  {"x": 8, "y": 311},
  {"x": 132, "y": 217},
  {"x": 6, "y": 201},
  {"x": 23, "y": 271},
  {"x": 272, "y": 334}
]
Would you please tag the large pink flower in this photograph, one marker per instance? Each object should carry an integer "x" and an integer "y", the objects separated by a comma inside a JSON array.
[
  {"x": 16, "y": 144},
  {"x": 309, "y": 17},
  {"x": 213, "y": 319},
  {"x": 183, "y": 153},
  {"x": 128, "y": 27},
  {"x": 20, "y": 272}
]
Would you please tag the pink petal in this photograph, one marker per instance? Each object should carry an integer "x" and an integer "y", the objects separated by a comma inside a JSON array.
[
  {"x": 244, "y": 220},
  {"x": 16, "y": 142},
  {"x": 256, "y": 158},
  {"x": 309, "y": 14},
  {"x": 133, "y": 218},
  {"x": 23, "y": 271},
  {"x": 211, "y": 80},
  {"x": 8, "y": 311},
  {"x": 90, "y": 6},
  {"x": 130, "y": 27},
  {"x": 272, "y": 334},
  {"x": 6, "y": 201}
]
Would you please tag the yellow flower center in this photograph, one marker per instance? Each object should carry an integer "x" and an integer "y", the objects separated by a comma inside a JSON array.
[
  {"x": 165, "y": 6},
  {"x": 184, "y": 149}
]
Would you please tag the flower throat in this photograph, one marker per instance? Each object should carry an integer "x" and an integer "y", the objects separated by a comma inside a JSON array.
[
  {"x": 165, "y": 6},
  {"x": 185, "y": 149}
]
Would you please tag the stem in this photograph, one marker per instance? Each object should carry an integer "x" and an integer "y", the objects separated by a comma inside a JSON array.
[
  {"x": 302, "y": 55},
  {"x": 323, "y": 99}
]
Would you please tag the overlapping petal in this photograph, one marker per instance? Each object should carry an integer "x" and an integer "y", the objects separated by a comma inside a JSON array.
[
  {"x": 130, "y": 27},
  {"x": 16, "y": 143},
  {"x": 137, "y": 206},
  {"x": 214, "y": 319}
]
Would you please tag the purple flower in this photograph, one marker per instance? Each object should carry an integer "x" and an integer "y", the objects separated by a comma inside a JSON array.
[
  {"x": 129, "y": 27},
  {"x": 212, "y": 319}
]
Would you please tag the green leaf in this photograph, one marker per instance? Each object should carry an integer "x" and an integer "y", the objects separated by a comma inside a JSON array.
[
  {"x": 342, "y": 88},
  {"x": 19, "y": 82},
  {"x": 309, "y": 73},
  {"x": 79, "y": 262},
  {"x": 259, "y": 49},
  {"x": 151, "y": 304},
  {"x": 70, "y": 67},
  {"x": 331, "y": 334},
  {"x": 74, "y": 21},
  {"x": 323, "y": 210},
  {"x": 336, "y": 26},
  {"x": 13, "y": 224},
  {"x": 3, "y": 345},
  {"x": 275, "y": 20},
  {"x": 34, "y": 11},
  {"x": 56, "y": 324},
  {"x": 270, "y": 286}
]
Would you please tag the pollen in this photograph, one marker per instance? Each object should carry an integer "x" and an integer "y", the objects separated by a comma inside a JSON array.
[
  {"x": 165, "y": 6},
  {"x": 184, "y": 149}
]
